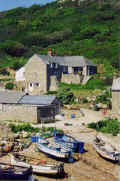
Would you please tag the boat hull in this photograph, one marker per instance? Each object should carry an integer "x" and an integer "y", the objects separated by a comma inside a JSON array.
[
  {"x": 44, "y": 169},
  {"x": 15, "y": 175},
  {"x": 109, "y": 156},
  {"x": 53, "y": 153},
  {"x": 69, "y": 142}
]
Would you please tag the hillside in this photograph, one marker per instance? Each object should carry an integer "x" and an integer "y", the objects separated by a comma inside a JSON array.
[{"x": 91, "y": 29}]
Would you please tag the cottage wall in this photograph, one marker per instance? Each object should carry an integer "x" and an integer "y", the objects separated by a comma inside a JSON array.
[
  {"x": 36, "y": 76},
  {"x": 20, "y": 112}
]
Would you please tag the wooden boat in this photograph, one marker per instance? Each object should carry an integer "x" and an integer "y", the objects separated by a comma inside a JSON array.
[
  {"x": 54, "y": 150},
  {"x": 69, "y": 142},
  {"x": 106, "y": 151},
  {"x": 9, "y": 172},
  {"x": 43, "y": 168}
]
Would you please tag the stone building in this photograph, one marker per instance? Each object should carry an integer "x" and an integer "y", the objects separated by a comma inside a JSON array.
[
  {"x": 28, "y": 108},
  {"x": 43, "y": 72},
  {"x": 116, "y": 95}
]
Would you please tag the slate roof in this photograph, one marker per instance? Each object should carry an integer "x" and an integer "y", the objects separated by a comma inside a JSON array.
[
  {"x": 10, "y": 97},
  {"x": 37, "y": 100},
  {"x": 72, "y": 61},
  {"x": 116, "y": 84}
]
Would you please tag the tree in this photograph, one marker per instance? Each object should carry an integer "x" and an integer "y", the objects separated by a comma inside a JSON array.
[{"x": 14, "y": 48}]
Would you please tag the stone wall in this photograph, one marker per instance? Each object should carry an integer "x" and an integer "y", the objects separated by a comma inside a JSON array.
[
  {"x": 116, "y": 101},
  {"x": 71, "y": 78},
  {"x": 36, "y": 72},
  {"x": 53, "y": 83},
  {"x": 26, "y": 113}
]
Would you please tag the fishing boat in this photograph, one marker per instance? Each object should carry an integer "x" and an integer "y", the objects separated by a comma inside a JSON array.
[
  {"x": 9, "y": 172},
  {"x": 69, "y": 142},
  {"x": 106, "y": 151},
  {"x": 39, "y": 168},
  {"x": 54, "y": 150}
]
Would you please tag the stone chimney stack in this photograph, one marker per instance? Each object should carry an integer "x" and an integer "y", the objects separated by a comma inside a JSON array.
[{"x": 50, "y": 53}]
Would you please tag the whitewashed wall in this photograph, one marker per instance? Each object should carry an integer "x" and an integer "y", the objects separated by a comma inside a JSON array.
[{"x": 20, "y": 74}]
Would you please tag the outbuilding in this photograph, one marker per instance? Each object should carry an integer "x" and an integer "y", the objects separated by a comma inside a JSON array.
[{"x": 22, "y": 107}]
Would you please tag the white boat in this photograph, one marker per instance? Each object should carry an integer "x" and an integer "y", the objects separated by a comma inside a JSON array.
[
  {"x": 54, "y": 150},
  {"x": 46, "y": 169},
  {"x": 106, "y": 151}
]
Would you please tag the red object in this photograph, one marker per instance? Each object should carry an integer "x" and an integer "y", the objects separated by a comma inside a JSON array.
[{"x": 104, "y": 111}]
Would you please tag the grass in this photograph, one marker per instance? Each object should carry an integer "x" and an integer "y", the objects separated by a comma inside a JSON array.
[{"x": 93, "y": 87}]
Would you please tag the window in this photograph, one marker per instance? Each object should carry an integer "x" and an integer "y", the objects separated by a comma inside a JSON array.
[
  {"x": 51, "y": 65},
  {"x": 65, "y": 69},
  {"x": 56, "y": 66},
  {"x": 37, "y": 84},
  {"x": 31, "y": 84}
]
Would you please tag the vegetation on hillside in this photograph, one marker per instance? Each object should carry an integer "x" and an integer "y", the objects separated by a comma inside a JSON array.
[{"x": 91, "y": 30}]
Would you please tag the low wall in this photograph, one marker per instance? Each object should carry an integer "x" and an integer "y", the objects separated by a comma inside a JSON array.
[
  {"x": 71, "y": 78},
  {"x": 20, "y": 112}
]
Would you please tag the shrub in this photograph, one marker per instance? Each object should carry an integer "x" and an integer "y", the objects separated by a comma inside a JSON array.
[
  {"x": 84, "y": 100},
  {"x": 4, "y": 72},
  {"x": 65, "y": 96},
  {"x": 95, "y": 108},
  {"x": 9, "y": 86},
  {"x": 13, "y": 48},
  {"x": 106, "y": 126},
  {"x": 104, "y": 98},
  {"x": 23, "y": 127}
]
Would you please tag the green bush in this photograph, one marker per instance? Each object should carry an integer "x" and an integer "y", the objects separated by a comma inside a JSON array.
[
  {"x": 84, "y": 100},
  {"x": 14, "y": 48},
  {"x": 104, "y": 98},
  {"x": 111, "y": 126},
  {"x": 66, "y": 96},
  {"x": 9, "y": 86},
  {"x": 23, "y": 127}
]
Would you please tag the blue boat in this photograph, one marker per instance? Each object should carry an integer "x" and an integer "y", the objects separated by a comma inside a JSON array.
[
  {"x": 54, "y": 150},
  {"x": 69, "y": 142}
]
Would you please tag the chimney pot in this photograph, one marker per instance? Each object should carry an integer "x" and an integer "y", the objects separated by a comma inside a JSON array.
[{"x": 50, "y": 52}]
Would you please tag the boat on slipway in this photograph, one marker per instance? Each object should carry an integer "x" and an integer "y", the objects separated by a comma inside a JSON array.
[
  {"x": 54, "y": 150},
  {"x": 10, "y": 172},
  {"x": 67, "y": 141},
  {"x": 106, "y": 150},
  {"x": 39, "y": 168}
]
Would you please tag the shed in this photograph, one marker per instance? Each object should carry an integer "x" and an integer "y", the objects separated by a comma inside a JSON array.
[{"x": 18, "y": 106}]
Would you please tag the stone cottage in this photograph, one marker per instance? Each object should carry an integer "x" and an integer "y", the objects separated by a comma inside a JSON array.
[
  {"x": 22, "y": 107},
  {"x": 116, "y": 95},
  {"x": 42, "y": 72}
]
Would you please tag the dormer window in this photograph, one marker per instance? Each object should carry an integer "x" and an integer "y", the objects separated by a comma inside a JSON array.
[
  {"x": 51, "y": 65},
  {"x": 56, "y": 65}
]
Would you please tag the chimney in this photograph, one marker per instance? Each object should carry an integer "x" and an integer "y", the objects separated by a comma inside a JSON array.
[{"x": 50, "y": 53}]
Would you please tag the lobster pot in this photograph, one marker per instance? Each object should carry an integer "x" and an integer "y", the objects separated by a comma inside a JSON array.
[
  {"x": 73, "y": 116},
  {"x": 80, "y": 147},
  {"x": 34, "y": 139}
]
